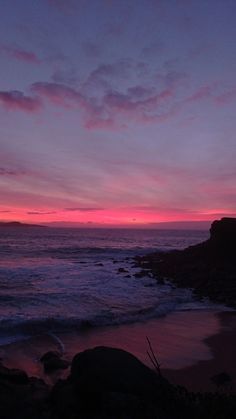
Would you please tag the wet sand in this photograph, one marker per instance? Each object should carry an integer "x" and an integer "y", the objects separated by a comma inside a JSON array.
[
  {"x": 190, "y": 345},
  {"x": 197, "y": 377}
]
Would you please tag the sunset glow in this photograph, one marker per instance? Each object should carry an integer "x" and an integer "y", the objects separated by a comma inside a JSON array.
[{"x": 115, "y": 114}]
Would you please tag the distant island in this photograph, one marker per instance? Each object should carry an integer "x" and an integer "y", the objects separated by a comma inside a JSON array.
[
  {"x": 170, "y": 225},
  {"x": 17, "y": 224}
]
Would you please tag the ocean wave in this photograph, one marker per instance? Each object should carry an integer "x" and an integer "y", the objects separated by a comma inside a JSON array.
[{"x": 36, "y": 326}]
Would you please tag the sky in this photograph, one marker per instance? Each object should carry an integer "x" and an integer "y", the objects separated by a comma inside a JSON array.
[{"x": 117, "y": 112}]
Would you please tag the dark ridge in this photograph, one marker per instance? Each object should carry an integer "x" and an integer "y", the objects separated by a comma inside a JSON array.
[{"x": 17, "y": 224}]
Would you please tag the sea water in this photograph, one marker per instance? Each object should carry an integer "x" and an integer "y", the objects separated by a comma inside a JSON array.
[{"x": 61, "y": 279}]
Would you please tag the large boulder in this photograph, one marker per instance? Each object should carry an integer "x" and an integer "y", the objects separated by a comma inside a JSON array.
[
  {"x": 111, "y": 383},
  {"x": 52, "y": 361},
  {"x": 111, "y": 369}
]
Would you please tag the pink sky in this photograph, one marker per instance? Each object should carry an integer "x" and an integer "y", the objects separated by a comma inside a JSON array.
[{"x": 115, "y": 114}]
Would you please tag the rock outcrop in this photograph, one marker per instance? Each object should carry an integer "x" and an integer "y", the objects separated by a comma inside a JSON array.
[
  {"x": 22, "y": 397},
  {"x": 106, "y": 383},
  {"x": 209, "y": 267},
  {"x": 52, "y": 361}
]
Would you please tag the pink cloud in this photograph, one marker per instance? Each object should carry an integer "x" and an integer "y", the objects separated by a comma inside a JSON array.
[
  {"x": 202, "y": 93},
  {"x": 109, "y": 108},
  {"x": 11, "y": 172},
  {"x": 41, "y": 212},
  {"x": 226, "y": 97},
  {"x": 129, "y": 103},
  {"x": 84, "y": 209},
  {"x": 20, "y": 54},
  {"x": 138, "y": 103},
  {"x": 99, "y": 123},
  {"x": 59, "y": 94},
  {"x": 16, "y": 100}
]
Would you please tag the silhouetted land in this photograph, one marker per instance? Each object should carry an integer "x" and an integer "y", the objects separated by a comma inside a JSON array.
[
  {"x": 17, "y": 224},
  {"x": 209, "y": 268},
  {"x": 106, "y": 383}
]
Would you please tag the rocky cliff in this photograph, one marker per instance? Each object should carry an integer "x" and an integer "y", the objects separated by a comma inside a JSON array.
[{"x": 209, "y": 267}]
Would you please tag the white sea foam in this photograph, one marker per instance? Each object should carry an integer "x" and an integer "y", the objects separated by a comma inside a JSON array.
[{"x": 61, "y": 279}]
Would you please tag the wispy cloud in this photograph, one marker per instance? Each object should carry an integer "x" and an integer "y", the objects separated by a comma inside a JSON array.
[
  {"x": 84, "y": 209},
  {"x": 201, "y": 93},
  {"x": 41, "y": 212},
  {"x": 226, "y": 97},
  {"x": 59, "y": 94},
  {"x": 16, "y": 100},
  {"x": 11, "y": 172},
  {"x": 65, "y": 6},
  {"x": 156, "y": 101},
  {"x": 20, "y": 54},
  {"x": 92, "y": 49}
]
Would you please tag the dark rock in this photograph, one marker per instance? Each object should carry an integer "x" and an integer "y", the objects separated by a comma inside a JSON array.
[
  {"x": 209, "y": 268},
  {"x": 222, "y": 379},
  {"x": 64, "y": 401},
  {"x": 109, "y": 383},
  {"x": 85, "y": 325},
  {"x": 50, "y": 355},
  {"x": 52, "y": 361},
  {"x": 13, "y": 375},
  {"x": 141, "y": 273},
  {"x": 122, "y": 270},
  {"x": 128, "y": 276},
  {"x": 99, "y": 264},
  {"x": 115, "y": 370},
  {"x": 224, "y": 229},
  {"x": 22, "y": 398}
]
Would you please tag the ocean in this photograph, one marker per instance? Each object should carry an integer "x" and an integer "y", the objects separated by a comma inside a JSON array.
[{"x": 60, "y": 279}]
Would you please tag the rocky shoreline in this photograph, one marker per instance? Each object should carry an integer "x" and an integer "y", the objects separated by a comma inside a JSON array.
[
  {"x": 209, "y": 268},
  {"x": 107, "y": 383}
]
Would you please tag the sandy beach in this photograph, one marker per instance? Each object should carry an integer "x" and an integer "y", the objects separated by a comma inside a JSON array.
[
  {"x": 222, "y": 346},
  {"x": 191, "y": 346}
]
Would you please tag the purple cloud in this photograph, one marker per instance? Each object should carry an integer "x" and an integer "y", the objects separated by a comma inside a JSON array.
[
  {"x": 171, "y": 78},
  {"x": 104, "y": 73},
  {"x": 65, "y": 76},
  {"x": 64, "y": 6},
  {"x": 14, "y": 100},
  {"x": 20, "y": 54},
  {"x": 41, "y": 212},
  {"x": 226, "y": 97},
  {"x": 59, "y": 94},
  {"x": 84, "y": 209},
  {"x": 9, "y": 172},
  {"x": 91, "y": 49},
  {"x": 202, "y": 93},
  {"x": 153, "y": 49}
]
